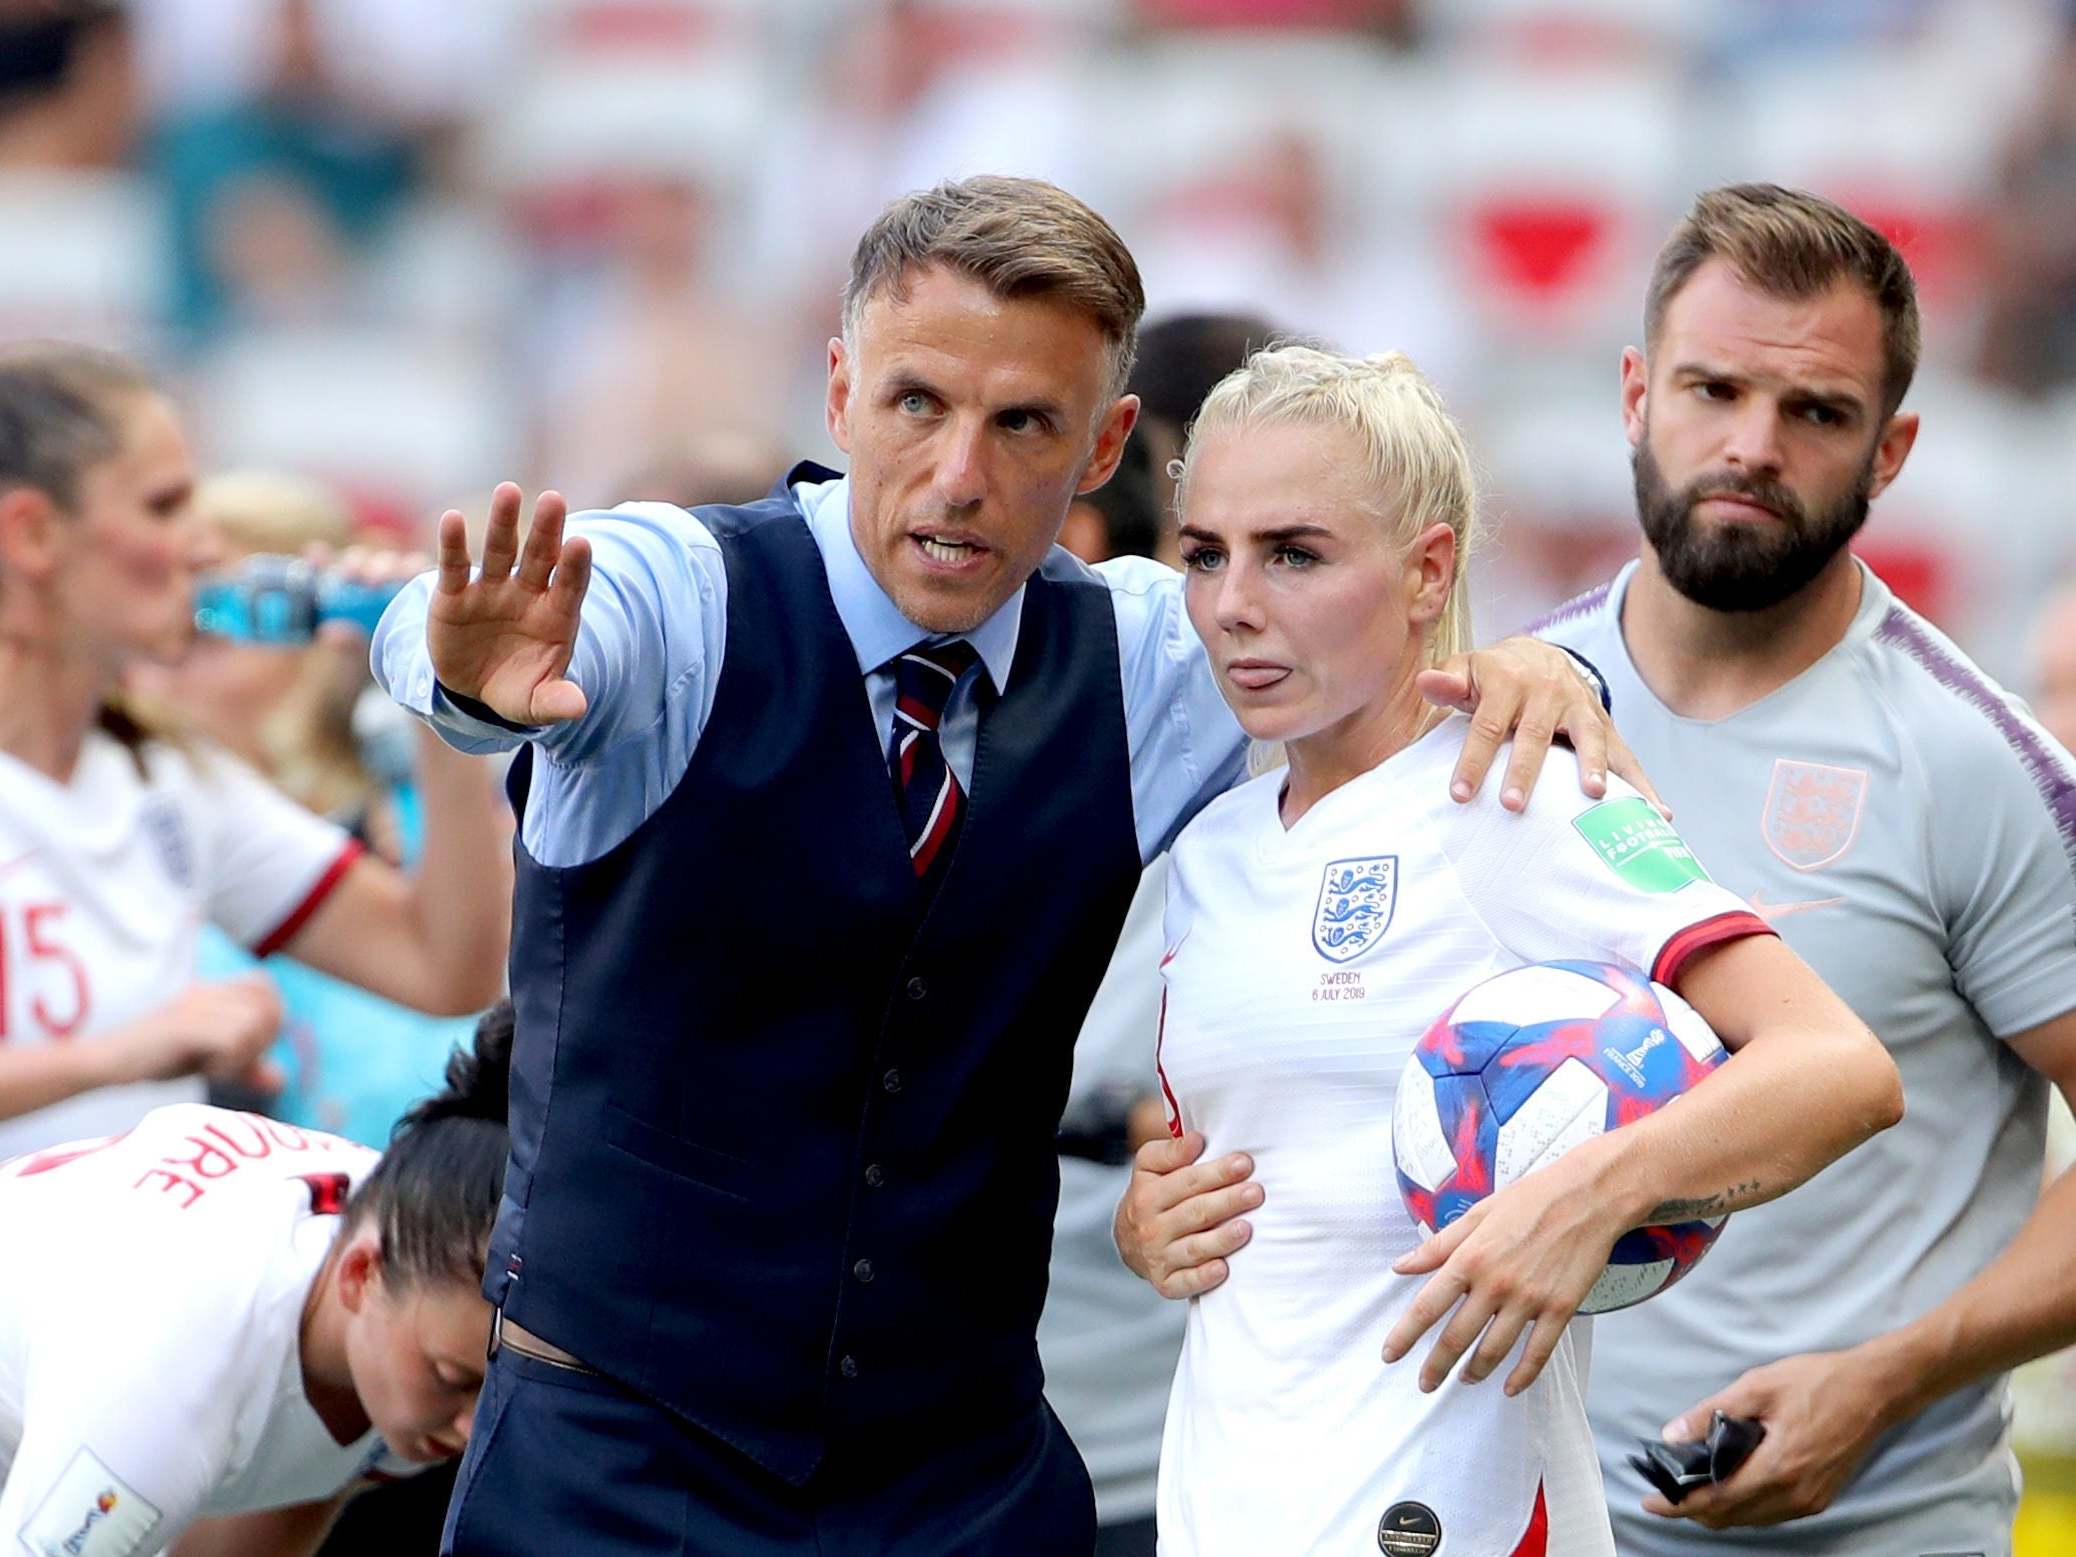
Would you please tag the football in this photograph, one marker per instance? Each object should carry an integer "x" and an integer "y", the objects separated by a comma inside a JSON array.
[{"x": 1527, "y": 1065}]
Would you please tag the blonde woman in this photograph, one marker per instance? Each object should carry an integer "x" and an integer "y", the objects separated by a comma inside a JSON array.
[{"x": 1327, "y": 507}]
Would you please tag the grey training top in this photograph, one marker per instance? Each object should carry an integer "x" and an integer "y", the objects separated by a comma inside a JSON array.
[{"x": 1911, "y": 832}]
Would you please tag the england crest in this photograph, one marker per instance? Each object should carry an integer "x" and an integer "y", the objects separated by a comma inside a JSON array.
[
  {"x": 1812, "y": 812},
  {"x": 1356, "y": 899},
  {"x": 168, "y": 834}
]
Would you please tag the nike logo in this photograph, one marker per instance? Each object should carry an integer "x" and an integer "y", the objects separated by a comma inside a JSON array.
[
  {"x": 20, "y": 859},
  {"x": 1775, "y": 911}
]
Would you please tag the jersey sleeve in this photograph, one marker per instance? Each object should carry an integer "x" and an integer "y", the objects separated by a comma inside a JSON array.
[
  {"x": 1596, "y": 880},
  {"x": 266, "y": 862},
  {"x": 2003, "y": 854}
]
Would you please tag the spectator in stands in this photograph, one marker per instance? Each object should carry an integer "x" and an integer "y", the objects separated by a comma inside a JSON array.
[
  {"x": 290, "y": 133},
  {"x": 1397, "y": 22},
  {"x": 715, "y": 468},
  {"x": 644, "y": 345},
  {"x": 2029, "y": 339},
  {"x": 67, "y": 89}
]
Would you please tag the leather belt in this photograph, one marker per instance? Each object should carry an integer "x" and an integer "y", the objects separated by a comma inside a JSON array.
[{"x": 507, "y": 1332}]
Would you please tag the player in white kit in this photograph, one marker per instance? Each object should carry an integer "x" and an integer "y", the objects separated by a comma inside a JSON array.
[
  {"x": 116, "y": 845},
  {"x": 1912, "y": 832},
  {"x": 216, "y": 1313},
  {"x": 1325, "y": 506}
]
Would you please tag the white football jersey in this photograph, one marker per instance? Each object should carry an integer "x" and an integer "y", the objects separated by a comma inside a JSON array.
[
  {"x": 151, "y": 1306},
  {"x": 1303, "y": 964},
  {"x": 105, "y": 883}
]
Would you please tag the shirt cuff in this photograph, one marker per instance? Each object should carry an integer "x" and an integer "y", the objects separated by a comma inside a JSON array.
[{"x": 483, "y": 714}]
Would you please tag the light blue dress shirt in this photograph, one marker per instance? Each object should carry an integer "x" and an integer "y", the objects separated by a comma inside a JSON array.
[{"x": 649, "y": 650}]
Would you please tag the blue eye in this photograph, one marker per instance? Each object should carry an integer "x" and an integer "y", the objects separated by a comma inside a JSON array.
[
  {"x": 1204, "y": 559},
  {"x": 915, "y": 402},
  {"x": 1296, "y": 556}
]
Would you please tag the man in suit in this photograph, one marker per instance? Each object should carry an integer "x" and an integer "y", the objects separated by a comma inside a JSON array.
[{"x": 831, "y": 808}]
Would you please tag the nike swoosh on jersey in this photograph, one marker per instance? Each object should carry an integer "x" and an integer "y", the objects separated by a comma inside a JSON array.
[{"x": 1772, "y": 911}]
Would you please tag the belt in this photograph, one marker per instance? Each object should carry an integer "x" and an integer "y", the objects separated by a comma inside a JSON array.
[{"x": 508, "y": 1332}]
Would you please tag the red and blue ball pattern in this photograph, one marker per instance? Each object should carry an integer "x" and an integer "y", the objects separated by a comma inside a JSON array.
[{"x": 1500, "y": 1105}]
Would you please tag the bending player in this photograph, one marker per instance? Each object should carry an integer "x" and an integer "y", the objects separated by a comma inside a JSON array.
[
  {"x": 1326, "y": 513},
  {"x": 216, "y": 1313}
]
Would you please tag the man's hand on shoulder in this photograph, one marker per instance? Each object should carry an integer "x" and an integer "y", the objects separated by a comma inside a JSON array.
[{"x": 1532, "y": 692}]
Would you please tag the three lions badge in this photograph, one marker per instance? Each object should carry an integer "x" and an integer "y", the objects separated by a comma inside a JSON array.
[{"x": 1356, "y": 900}]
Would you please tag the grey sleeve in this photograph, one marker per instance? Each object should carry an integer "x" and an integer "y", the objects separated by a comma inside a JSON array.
[{"x": 2002, "y": 814}]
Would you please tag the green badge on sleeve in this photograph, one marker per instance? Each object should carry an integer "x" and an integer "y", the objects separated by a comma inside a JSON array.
[{"x": 1639, "y": 845}]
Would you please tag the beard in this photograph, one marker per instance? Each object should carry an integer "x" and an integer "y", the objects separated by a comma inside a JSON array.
[{"x": 1742, "y": 567}]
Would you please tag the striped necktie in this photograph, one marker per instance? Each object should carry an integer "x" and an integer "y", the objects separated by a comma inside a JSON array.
[{"x": 925, "y": 791}]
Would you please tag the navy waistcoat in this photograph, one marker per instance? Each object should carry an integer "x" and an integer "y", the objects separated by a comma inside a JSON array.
[{"x": 783, "y": 1130}]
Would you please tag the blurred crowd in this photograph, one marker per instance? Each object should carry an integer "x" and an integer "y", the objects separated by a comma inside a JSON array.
[
  {"x": 388, "y": 253},
  {"x": 412, "y": 250}
]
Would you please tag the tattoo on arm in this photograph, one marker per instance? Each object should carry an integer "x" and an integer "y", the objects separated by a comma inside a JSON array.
[{"x": 1719, "y": 1204}]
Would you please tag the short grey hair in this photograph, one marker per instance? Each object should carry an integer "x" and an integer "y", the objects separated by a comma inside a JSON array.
[{"x": 1019, "y": 238}]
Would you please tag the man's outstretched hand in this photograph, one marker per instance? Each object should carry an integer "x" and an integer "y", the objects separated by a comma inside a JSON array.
[{"x": 504, "y": 636}]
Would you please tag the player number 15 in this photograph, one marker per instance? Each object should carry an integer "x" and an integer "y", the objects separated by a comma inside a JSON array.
[{"x": 27, "y": 936}]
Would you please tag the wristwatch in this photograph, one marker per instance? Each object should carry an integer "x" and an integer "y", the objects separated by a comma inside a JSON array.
[{"x": 1590, "y": 674}]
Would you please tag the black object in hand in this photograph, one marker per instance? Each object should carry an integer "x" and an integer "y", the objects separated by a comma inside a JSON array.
[{"x": 1676, "y": 1469}]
